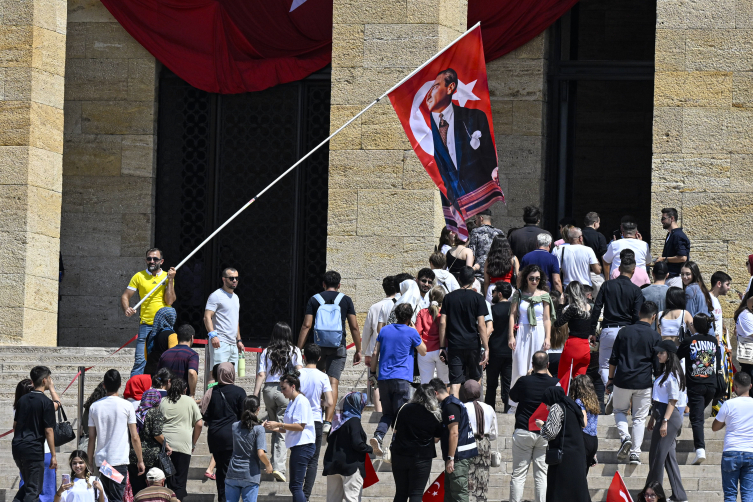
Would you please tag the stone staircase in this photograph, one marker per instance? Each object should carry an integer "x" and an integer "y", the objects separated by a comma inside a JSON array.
[{"x": 702, "y": 482}]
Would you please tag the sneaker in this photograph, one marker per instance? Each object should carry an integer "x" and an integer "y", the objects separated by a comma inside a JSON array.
[
  {"x": 376, "y": 445},
  {"x": 700, "y": 456},
  {"x": 635, "y": 459},
  {"x": 609, "y": 407},
  {"x": 326, "y": 427},
  {"x": 625, "y": 446},
  {"x": 279, "y": 476}
]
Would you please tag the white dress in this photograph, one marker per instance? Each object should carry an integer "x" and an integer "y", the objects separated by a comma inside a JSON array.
[
  {"x": 528, "y": 340},
  {"x": 79, "y": 492}
]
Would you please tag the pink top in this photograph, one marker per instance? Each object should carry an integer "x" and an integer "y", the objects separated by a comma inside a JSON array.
[{"x": 640, "y": 277}]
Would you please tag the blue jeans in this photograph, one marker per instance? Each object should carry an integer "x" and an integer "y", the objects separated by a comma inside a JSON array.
[
  {"x": 737, "y": 466},
  {"x": 139, "y": 359},
  {"x": 299, "y": 461},
  {"x": 393, "y": 394},
  {"x": 235, "y": 489}
]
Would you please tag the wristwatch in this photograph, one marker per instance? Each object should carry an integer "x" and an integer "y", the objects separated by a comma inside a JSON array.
[
  {"x": 665, "y": 420},
  {"x": 450, "y": 458}
]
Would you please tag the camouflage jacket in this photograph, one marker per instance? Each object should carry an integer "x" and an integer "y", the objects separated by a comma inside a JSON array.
[{"x": 480, "y": 241}]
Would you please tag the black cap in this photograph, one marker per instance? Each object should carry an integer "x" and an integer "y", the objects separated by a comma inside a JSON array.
[
  {"x": 485, "y": 212},
  {"x": 666, "y": 346}
]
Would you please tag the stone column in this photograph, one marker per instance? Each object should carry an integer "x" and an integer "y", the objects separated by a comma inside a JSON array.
[
  {"x": 32, "y": 66},
  {"x": 703, "y": 145},
  {"x": 384, "y": 211}
]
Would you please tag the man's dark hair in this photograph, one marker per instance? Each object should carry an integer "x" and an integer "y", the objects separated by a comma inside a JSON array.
[
  {"x": 588, "y": 289},
  {"x": 399, "y": 278},
  {"x": 719, "y": 276},
  {"x": 591, "y": 218},
  {"x": 450, "y": 77},
  {"x": 628, "y": 262},
  {"x": 389, "y": 286},
  {"x": 403, "y": 313},
  {"x": 671, "y": 212},
  {"x": 466, "y": 276},
  {"x": 38, "y": 374},
  {"x": 660, "y": 270},
  {"x": 185, "y": 333},
  {"x": 648, "y": 309},
  {"x": 628, "y": 218},
  {"x": 426, "y": 272},
  {"x": 627, "y": 252},
  {"x": 742, "y": 379},
  {"x": 540, "y": 360},
  {"x": 332, "y": 279},
  {"x": 531, "y": 215},
  {"x": 438, "y": 384},
  {"x": 629, "y": 227},
  {"x": 312, "y": 353},
  {"x": 503, "y": 287},
  {"x": 226, "y": 270},
  {"x": 152, "y": 250},
  {"x": 111, "y": 380}
]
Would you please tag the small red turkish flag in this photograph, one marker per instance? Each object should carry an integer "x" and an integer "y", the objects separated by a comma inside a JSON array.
[
  {"x": 435, "y": 493},
  {"x": 618, "y": 492},
  {"x": 371, "y": 475},
  {"x": 447, "y": 115},
  {"x": 542, "y": 412}
]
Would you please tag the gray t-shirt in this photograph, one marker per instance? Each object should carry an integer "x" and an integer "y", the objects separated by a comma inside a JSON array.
[
  {"x": 226, "y": 308},
  {"x": 245, "y": 464},
  {"x": 656, "y": 293}
]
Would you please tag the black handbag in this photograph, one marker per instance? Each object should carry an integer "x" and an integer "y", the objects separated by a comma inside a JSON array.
[
  {"x": 554, "y": 455},
  {"x": 63, "y": 428},
  {"x": 164, "y": 460}
]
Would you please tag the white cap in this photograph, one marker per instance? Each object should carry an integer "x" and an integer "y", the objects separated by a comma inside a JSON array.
[{"x": 155, "y": 474}]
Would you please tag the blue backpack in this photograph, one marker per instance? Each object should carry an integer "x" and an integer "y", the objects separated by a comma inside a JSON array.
[{"x": 328, "y": 323}]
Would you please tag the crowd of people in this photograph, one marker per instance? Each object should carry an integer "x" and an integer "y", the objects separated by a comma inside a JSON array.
[{"x": 583, "y": 326}]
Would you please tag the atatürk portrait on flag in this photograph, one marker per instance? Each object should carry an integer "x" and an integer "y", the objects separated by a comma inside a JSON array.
[{"x": 464, "y": 149}]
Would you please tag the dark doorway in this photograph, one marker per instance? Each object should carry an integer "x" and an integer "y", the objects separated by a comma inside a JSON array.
[
  {"x": 601, "y": 88},
  {"x": 215, "y": 153}
]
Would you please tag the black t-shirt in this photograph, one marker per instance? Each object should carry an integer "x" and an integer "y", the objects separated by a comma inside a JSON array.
[
  {"x": 159, "y": 348},
  {"x": 701, "y": 354},
  {"x": 35, "y": 412},
  {"x": 528, "y": 392},
  {"x": 450, "y": 414},
  {"x": 595, "y": 240},
  {"x": 498, "y": 341},
  {"x": 462, "y": 308},
  {"x": 416, "y": 429},
  {"x": 346, "y": 308}
]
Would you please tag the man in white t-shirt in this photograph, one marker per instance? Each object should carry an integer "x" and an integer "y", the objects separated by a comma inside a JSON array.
[
  {"x": 630, "y": 241},
  {"x": 576, "y": 260},
  {"x": 720, "y": 284},
  {"x": 221, "y": 320},
  {"x": 317, "y": 389},
  {"x": 737, "y": 457},
  {"x": 371, "y": 326},
  {"x": 110, "y": 420}
]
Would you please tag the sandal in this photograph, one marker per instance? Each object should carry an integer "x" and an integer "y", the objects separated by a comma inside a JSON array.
[{"x": 209, "y": 475}]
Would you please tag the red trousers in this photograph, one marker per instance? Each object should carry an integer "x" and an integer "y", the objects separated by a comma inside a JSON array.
[{"x": 578, "y": 352}]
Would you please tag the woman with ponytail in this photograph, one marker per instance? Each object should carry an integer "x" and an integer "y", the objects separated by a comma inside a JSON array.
[
  {"x": 697, "y": 298},
  {"x": 82, "y": 486},
  {"x": 249, "y": 453},
  {"x": 703, "y": 358},
  {"x": 427, "y": 325}
]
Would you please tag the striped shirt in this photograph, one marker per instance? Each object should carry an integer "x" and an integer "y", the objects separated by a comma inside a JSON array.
[{"x": 179, "y": 360}]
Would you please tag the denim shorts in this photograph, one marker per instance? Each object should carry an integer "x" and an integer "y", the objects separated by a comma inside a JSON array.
[{"x": 225, "y": 354}]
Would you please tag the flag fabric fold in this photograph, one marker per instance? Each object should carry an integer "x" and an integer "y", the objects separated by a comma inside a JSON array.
[
  {"x": 435, "y": 492},
  {"x": 618, "y": 492}
]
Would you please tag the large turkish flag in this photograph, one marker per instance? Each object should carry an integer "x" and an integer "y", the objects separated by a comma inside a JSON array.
[{"x": 446, "y": 113}]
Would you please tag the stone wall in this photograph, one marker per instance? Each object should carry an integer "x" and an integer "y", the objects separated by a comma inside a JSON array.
[
  {"x": 384, "y": 211},
  {"x": 517, "y": 88},
  {"x": 32, "y": 68},
  {"x": 703, "y": 145},
  {"x": 108, "y": 173}
]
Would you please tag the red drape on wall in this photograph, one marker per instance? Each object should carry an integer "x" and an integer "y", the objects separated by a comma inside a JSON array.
[{"x": 231, "y": 46}]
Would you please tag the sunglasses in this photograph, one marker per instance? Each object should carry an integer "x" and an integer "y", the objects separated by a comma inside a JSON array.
[
  {"x": 534, "y": 279},
  {"x": 232, "y": 279},
  {"x": 151, "y": 258}
]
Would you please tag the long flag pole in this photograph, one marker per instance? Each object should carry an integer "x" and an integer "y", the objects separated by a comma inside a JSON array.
[{"x": 317, "y": 147}]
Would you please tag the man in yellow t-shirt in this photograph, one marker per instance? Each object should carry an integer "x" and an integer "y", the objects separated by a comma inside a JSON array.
[{"x": 143, "y": 282}]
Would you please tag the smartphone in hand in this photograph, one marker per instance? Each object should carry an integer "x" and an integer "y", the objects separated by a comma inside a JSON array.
[{"x": 66, "y": 479}]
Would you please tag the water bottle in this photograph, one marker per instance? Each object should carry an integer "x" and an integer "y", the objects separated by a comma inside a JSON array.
[{"x": 241, "y": 364}]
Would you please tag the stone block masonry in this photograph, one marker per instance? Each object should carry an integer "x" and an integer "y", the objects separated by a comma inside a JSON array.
[
  {"x": 32, "y": 69},
  {"x": 703, "y": 113},
  {"x": 108, "y": 169}
]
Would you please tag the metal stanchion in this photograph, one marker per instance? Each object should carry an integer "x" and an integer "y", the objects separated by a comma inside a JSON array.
[{"x": 81, "y": 380}]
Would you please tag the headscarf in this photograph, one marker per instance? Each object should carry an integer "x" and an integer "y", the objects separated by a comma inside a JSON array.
[
  {"x": 163, "y": 319},
  {"x": 556, "y": 395},
  {"x": 225, "y": 376},
  {"x": 534, "y": 300},
  {"x": 470, "y": 391},
  {"x": 410, "y": 294},
  {"x": 136, "y": 385},
  {"x": 149, "y": 400},
  {"x": 351, "y": 406}
]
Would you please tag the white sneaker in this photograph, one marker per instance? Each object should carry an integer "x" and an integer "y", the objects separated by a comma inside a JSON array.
[{"x": 700, "y": 456}]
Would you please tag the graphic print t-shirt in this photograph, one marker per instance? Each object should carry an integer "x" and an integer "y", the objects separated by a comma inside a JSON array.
[{"x": 700, "y": 354}]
